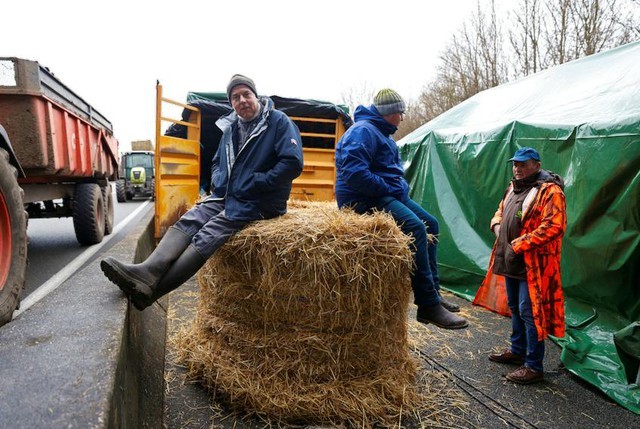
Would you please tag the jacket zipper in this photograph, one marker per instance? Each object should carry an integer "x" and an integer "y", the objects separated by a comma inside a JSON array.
[{"x": 230, "y": 167}]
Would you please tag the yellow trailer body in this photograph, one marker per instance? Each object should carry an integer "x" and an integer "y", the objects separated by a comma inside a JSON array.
[
  {"x": 316, "y": 183},
  {"x": 177, "y": 166}
]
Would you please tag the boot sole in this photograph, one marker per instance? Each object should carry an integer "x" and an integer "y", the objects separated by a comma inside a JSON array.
[
  {"x": 126, "y": 285},
  {"x": 426, "y": 322}
]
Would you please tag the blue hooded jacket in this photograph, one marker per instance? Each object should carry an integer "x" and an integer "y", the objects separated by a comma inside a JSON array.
[
  {"x": 368, "y": 161},
  {"x": 255, "y": 183}
]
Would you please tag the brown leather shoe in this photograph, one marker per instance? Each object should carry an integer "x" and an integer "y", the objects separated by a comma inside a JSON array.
[
  {"x": 507, "y": 357},
  {"x": 525, "y": 375}
]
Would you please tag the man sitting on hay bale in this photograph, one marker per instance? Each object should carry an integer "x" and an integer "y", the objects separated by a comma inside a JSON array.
[
  {"x": 371, "y": 177},
  {"x": 263, "y": 148}
]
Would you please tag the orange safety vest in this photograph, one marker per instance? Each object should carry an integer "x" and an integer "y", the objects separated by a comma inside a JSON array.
[{"x": 544, "y": 222}]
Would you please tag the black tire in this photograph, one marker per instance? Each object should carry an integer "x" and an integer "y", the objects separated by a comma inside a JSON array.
[
  {"x": 153, "y": 189},
  {"x": 120, "y": 192},
  {"x": 13, "y": 239},
  {"x": 88, "y": 213},
  {"x": 129, "y": 195},
  {"x": 107, "y": 197}
]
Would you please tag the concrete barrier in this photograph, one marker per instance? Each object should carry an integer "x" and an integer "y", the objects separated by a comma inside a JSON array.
[{"x": 81, "y": 357}]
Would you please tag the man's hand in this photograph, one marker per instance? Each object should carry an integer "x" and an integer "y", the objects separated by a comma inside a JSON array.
[{"x": 496, "y": 230}]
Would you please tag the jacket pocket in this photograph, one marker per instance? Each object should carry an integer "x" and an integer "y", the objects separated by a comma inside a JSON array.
[
  {"x": 513, "y": 262},
  {"x": 252, "y": 186},
  {"x": 218, "y": 184},
  {"x": 260, "y": 181}
]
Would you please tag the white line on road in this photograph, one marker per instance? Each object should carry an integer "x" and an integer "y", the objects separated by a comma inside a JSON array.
[{"x": 62, "y": 275}]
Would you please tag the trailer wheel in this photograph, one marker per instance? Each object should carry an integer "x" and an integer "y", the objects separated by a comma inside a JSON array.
[
  {"x": 107, "y": 197},
  {"x": 120, "y": 193},
  {"x": 88, "y": 213},
  {"x": 13, "y": 239}
]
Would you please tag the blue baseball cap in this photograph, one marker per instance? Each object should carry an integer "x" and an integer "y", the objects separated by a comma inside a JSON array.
[{"x": 524, "y": 154}]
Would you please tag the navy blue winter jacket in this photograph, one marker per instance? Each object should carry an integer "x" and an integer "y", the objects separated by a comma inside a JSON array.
[
  {"x": 368, "y": 161},
  {"x": 255, "y": 184}
]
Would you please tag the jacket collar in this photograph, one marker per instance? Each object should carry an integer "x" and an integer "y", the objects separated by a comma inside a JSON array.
[{"x": 226, "y": 122}]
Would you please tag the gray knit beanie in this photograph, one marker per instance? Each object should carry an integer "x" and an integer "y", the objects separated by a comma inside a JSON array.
[
  {"x": 387, "y": 102},
  {"x": 238, "y": 79}
]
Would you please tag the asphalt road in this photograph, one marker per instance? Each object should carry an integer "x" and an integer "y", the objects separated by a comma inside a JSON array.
[{"x": 53, "y": 244}]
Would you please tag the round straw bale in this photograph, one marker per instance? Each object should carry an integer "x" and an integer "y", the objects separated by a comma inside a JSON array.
[{"x": 303, "y": 318}]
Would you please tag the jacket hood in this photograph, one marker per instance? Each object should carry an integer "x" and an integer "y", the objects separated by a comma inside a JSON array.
[
  {"x": 546, "y": 176},
  {"x": 227, "y": 121},
  {"x": 372, "y": 115}
]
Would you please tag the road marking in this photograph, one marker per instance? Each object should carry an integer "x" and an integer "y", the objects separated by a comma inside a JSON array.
[{"x": 52, "y": 284}]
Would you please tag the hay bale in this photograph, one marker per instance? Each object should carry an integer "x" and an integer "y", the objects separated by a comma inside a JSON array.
[{"x": 303, "y": 318}]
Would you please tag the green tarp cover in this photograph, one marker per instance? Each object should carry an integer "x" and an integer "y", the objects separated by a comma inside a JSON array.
[{"x": 584, "y": 119}]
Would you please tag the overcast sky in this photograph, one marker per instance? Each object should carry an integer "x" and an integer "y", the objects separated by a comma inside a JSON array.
[{"x": 111, "y": 52}]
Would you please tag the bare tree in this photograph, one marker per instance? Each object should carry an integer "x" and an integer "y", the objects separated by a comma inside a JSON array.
[
  {"x": 543, "y": 33},
  {"x": 633, "y": 23},
  {"x": 414, "y": 117},
  {"x": 574, "y": 29},
  {"x": 489, "y": 41},
  {"x": 558, "y": 36},
  {"x": 356, "y": 96},
  {"x": 471, "y": 62},
  {"x": 596, "y": 25},
  {"x": 526, "y": 37},
  {"x": 551, "y": 32}
]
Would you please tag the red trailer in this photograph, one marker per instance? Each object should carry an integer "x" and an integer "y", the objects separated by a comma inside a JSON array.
[{"x": 58, "y": 156}]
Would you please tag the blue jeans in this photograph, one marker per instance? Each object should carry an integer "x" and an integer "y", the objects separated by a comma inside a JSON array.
[
  {"x": 415, "y": 221},
  {"x": 524, "y": 335}
]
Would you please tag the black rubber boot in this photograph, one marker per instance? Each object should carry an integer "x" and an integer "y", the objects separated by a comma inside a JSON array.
[
  {"x": 180, "y": 271},
  {"x": 139, "y": 280},
  {"x": 450, "y": 306},
  {"x": 441, "y": 317}
]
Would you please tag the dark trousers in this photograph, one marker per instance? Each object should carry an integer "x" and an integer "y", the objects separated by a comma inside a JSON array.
[{"x": 208, "y": 226}]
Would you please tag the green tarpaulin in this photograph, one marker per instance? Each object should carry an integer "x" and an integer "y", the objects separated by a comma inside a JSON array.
[{"x": 584, "y": 119}]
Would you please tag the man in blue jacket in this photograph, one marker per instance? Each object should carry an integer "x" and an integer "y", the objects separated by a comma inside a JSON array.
[
  {"x": 370, "y": 177},
  {"x": 259, "y": 155}
]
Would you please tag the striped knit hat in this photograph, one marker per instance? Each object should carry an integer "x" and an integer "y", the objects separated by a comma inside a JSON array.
[{"x": 387, "y": 102}]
